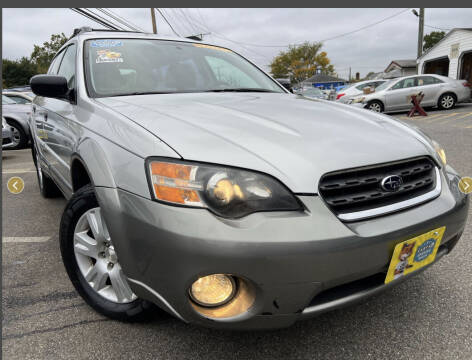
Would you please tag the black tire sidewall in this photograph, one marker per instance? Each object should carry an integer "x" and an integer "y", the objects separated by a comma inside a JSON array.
[{"x": 84, "y": 199}]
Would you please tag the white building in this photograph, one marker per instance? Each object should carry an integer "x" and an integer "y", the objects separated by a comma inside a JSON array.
[{"x": 452, "y": 56}]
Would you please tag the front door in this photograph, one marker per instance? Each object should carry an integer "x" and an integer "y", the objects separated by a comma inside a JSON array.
[
  {"x": 58, "y": 137},
  {"x": 397, "y": 98}
]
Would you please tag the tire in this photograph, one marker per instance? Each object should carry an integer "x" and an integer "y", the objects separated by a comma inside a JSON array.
[
  {"x": 47, "y": 187},
  {"x": 97, "y": 261},
  {"x": 19, "y": 137},
  {"x": 375, "y": 106},
  {"x": 447, "y": 101}
]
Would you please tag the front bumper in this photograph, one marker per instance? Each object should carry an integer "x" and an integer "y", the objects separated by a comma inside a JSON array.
[{"x": 301, "y": 264}]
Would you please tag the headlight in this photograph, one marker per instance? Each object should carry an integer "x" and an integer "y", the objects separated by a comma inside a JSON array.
[
  {"x": 358, "y": 100},
  {"x": 440, "y": 151},
  {"x": 228, "y": 192}
]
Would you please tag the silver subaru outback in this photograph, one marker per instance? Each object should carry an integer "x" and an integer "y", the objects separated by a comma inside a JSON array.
[{"x": 197, "y": 183}]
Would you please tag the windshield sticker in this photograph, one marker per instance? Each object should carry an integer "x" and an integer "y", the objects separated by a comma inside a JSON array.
[
  {"x": 212, "y": 47},
  {"x": 108, "y": 56},
  {"x": 106, "y": 43}
]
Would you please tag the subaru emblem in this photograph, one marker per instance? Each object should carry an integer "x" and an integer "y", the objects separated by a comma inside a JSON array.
[{"x": 391, "y": 183}]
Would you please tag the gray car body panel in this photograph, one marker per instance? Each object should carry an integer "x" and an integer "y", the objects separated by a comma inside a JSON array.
[{"x": 164, "y": 248}]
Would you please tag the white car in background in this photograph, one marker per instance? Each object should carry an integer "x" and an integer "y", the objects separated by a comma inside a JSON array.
[
  {"x": 356, "y": 89},
  {"x": 395, "y": 95}
]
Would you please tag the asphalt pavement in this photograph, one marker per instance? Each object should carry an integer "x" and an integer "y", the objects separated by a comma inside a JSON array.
[{"x": 428, "y": 317}]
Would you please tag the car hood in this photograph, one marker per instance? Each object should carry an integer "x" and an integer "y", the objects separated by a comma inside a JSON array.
[{"x": 290, "y": 137}]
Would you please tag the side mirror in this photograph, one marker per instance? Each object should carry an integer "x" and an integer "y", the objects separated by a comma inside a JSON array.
[{"x": 52, "y": 86}]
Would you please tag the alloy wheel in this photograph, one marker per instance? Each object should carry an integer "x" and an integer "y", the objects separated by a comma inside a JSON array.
[
  {"x": 97, "y": 259},
  {"x": 375, "y": 107},
  {"x": 447, "y": 101},
  {"x": 15, "y": 136}
]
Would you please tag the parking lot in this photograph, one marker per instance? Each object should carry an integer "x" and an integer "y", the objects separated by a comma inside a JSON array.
[{"x": 429, "y": 317}]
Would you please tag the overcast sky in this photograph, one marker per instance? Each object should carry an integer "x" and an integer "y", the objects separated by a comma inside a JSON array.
[{"x": 366, "y": 50}]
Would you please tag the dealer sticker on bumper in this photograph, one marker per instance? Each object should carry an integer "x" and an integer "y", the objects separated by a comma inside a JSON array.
[{"x": 413, "y": 254}]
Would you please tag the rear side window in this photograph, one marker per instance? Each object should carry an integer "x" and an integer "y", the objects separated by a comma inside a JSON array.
[
  {"x": 67, "y": 68},
  {"x": 428, "y": 80}
]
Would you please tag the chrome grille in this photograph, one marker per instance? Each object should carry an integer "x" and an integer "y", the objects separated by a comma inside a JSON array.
[{"x": 353, "y": 193}]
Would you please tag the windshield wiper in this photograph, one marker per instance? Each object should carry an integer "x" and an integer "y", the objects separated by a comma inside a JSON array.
[
  {"x": 242, "y": 90},
  {"x": 145, "y": 93}
]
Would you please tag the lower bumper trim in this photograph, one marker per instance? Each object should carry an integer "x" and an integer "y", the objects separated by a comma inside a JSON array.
[{"x": 357, "y": 296}]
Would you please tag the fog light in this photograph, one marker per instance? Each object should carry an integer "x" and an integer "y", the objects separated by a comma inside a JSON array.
[{"x": 213, "y": 290}]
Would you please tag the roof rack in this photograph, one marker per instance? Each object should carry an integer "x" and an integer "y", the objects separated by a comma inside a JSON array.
[{"x": 85, "y": 29}]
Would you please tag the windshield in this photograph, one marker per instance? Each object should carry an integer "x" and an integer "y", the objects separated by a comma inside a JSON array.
[
  {"x": 7, "y": 101},
  {"x": 384, "y": 85},
  {"x": 141, "y": 66}
]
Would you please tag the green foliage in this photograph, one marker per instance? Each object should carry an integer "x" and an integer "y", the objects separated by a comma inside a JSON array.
[
  {"x": 42, "y": 55},
  {"x": 19, "y": 72},
  {"x": 300, "y": 62},
  {"x": 432, "y": 39}
]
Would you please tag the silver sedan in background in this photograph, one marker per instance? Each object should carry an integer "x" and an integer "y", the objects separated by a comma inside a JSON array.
[
  {"x": 395, "y": 95},
  {"x": 356, "y": 89},
  {"x": 16, "y": 115},
  {"x": 6, "y": 134}
]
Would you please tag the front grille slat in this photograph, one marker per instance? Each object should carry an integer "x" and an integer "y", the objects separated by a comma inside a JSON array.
[{"x": 360, "y": 189}]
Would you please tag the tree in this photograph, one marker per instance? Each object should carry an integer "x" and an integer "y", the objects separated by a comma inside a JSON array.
[
  {"x": 300, "y": 62},
  {"x": 432, "y": 39},
  {"x": 17, "y": 72},
  {"x": 43, "y": 55}
]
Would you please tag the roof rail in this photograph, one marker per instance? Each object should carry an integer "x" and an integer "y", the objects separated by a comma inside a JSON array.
[{"x": 85, "y": 29}]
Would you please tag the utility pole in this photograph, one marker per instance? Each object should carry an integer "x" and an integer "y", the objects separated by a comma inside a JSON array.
[
  {"x": 420, "y": 31},
  {"x": 349, "y": 74},
  {"x": 153, "y": 18}
]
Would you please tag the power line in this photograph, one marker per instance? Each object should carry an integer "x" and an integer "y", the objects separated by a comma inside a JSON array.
[
  {"x": 94, "y": 18},
  {"x": 435, "y": 27},
  {"x": 193, "y": 28},
  {"x": 129, "y": 22},
  {"x": 120, "y": 19},
  {"x": 104, "y": 19},
  {"x": 324, "y": 40},
  {"x": 178, "y": 18},
  {"x": 167, "y": 21}
]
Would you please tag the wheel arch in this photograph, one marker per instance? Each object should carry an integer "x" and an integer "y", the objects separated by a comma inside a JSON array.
[
  {"x": 448, "y": 92},
  {"x": 382, "y": 103},
  {"x": 89, "y": 165},
  {"x": 19, "y": 121}
]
